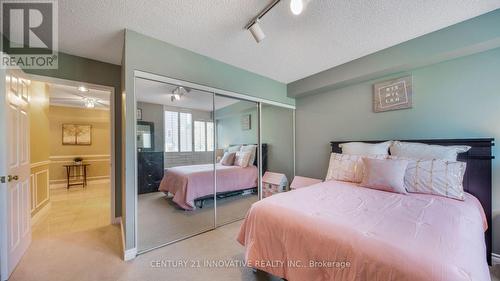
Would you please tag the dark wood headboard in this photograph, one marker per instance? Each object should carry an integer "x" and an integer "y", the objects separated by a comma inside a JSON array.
[
  {"x": 264, "y": 156},
  {"x": 477, "y": 178}
]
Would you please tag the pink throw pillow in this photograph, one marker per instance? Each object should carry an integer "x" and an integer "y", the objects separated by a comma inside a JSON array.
[
  {"x": 387, "y": 175},
  {"x": 228, "y": 159}
]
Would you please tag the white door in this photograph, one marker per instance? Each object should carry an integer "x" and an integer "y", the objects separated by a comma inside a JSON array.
[{"x": 15, "y": 217}]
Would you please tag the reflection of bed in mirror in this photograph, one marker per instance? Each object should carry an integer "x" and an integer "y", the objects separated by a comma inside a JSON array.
[{"x": 192, "y": 185}]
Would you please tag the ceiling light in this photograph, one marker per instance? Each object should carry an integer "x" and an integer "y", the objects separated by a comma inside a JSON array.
[
  {"x": 254, "y": 27},
  {"x": 257, "y": 32},
  {"x": 178, "y": 92},
  {"x": 296, "y": 6},
  {"x": 89, "y": 102},
  {"x": 83, "y": 89}
]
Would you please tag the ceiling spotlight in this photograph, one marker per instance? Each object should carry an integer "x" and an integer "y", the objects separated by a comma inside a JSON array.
[
  {"x": 83, "y": 89},
  {"x": 296, "y": 6},
  {"x": 254, "y": 27},
  {"x": 89, "y": 102},
  {"x": 178, "y": 92},
  {"x": 257, "y": 32}
]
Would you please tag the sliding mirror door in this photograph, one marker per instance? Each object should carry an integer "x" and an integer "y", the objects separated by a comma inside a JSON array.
[
  {"x": 277, "y": 131},
  {"x": 237, "y": 169},
  {"x": 175, "y": 159}
]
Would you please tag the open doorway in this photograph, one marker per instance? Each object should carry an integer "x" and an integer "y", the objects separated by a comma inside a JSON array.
[{"x": 71, "y": 149}]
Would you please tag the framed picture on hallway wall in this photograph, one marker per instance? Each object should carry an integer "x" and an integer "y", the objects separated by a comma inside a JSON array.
[{"x": 74, "y": 134}]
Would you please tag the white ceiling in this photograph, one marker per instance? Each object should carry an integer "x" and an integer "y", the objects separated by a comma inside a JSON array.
[
  {"x": 160, "y": 93},
  {"x": 65, "y": 95},
  {"x": 328, "y": 33}
]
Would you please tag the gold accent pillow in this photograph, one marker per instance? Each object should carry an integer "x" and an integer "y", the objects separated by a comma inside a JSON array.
[
  {"x": 347, "y": 167},
  {"x": 437, "y": 177}
]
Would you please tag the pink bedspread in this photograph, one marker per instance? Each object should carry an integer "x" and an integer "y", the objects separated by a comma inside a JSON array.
[
  {"x": 365, "y": 234},
  {"x": 188, "y": 183}
]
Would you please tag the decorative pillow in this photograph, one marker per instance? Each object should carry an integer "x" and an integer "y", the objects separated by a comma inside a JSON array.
[
  {"x": 427, "y": 151},
  {"x": 363, "y": 148},
  {"x": 228, "y": 159},
  {"x": 437, "y": 176},
  {"x": 252, "y": 148},
  {"x": 242, "y": 158},
  {"x": 234, "y": 148},
  {"x": 387, "y": 174},
  {"x": 346, "y": 167}
]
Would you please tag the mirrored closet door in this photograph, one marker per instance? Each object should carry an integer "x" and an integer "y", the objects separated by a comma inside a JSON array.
[
  {"x": 176, "y": 163},
  {"x": 237, "y": 156},
  {"x": 203, "y": 158}
]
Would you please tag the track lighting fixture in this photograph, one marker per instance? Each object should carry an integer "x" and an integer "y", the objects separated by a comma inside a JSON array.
[
  {"x": 296, "y": 6},
  {"x": 257, "y": 32}
]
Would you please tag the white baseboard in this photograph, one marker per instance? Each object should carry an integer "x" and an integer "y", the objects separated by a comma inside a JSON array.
[
  {"x": 495, "y": 259},
  {"x": 129, "y": 254},
  {"x": 41, "y": 213},
  {"x": 116, "y": 220},
  {"x": 54, "y": 184}
]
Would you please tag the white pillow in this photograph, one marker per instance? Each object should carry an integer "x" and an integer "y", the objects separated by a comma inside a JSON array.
[
  {"x": 363, "y": 148},
  {"x": 427, "y": 151},
  {"x": 347, "y": 167},
  {"x": 234, "y": 148},
  {"x": 252, "y": 148},
  {"x": 242, "y": 158},
  {"x": 437, "y": 177}
]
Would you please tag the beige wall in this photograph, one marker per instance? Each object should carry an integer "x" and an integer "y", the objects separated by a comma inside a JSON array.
[
  {"x": 39, "y": 145},
  {"x": 97, "y": 154}
]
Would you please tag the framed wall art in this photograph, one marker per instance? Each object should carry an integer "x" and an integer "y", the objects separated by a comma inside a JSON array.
[
  {"x": 393, "y": 94},
  {"x": 75, "y": 134},
  {"x": 246, "y": 122}
]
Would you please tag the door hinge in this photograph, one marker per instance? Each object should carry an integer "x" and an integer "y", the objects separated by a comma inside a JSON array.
[{"x": 2, "y": 179}]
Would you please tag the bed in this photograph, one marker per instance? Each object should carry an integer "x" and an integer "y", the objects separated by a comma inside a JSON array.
[
  {"x": 339, "y": 231},
  {"x": 192, "y": 185}
]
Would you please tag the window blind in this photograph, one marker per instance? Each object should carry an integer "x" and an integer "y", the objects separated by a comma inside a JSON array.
[
  {"x": 171, "y": 131},
  {"x": 210, "y": 136},
  {"x": 199, "y": 136},
  {"x": 185, "y": 132}
]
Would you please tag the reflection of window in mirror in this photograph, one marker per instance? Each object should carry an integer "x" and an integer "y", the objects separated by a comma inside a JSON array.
[{"x": 145, "y": 136}]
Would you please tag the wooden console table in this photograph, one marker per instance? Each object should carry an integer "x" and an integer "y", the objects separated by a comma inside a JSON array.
[{"x": 77, "y": 172}]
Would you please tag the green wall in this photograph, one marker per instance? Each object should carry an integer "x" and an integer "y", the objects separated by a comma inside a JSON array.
[
  {"x": 154, "y": 56},
  {"x": 276, "y": 131},
  {"x": 229, "y": 129},
  {"x": 459, "y": 98}
]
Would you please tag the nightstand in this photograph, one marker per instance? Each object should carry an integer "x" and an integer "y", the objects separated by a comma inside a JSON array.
[{"x": 299, "y": 182}]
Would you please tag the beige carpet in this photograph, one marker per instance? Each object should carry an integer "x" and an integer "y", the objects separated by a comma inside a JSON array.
[
  {"x": 161, "y": 221},
  {"x": 95, "y": 255},
  {"x": 87, "y": 250}
]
